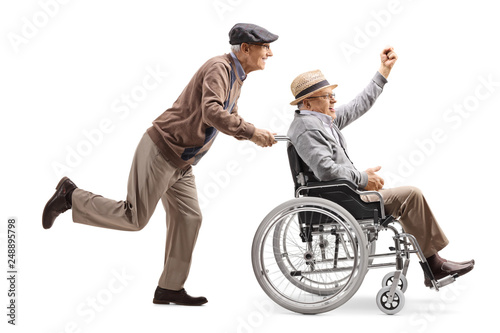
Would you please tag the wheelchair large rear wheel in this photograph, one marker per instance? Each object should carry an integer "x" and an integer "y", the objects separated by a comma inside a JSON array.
[{"x": 309, "y": 255}]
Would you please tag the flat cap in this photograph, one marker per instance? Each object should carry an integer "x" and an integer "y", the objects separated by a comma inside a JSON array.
[{"x": 250, "y": 33}]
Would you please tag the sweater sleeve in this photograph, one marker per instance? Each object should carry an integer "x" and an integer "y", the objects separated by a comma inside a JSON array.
[
  {"x": 215, "y": 90},
  {"x": 320, "y": 156},
  {"x": 235, "y": 113},
  {"x": 351, "y": 111}
]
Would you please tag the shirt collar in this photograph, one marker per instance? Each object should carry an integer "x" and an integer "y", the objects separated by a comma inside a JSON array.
[
  {"x": 326, "y": 119},
  {"x": 239, "y": 68}
]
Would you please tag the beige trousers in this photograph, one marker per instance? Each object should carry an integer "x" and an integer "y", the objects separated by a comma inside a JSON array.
[
  {"x": 151, "y": 178},
  {"x": 409, "y": 204}
]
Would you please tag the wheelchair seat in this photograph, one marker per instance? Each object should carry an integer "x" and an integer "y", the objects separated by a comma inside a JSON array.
[{"x": 341, "y": 191}]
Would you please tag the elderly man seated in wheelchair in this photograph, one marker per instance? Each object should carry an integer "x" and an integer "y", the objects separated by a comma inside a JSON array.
[
  {"x": 315, "y": 134},
  {"x": 310, "y": 254}
]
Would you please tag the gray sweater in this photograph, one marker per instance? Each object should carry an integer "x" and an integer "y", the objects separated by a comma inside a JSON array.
[{"x": 327, "y": 157}]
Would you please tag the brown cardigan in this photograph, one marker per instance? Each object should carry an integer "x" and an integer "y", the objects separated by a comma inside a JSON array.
[{"x": 186, "y": 131}]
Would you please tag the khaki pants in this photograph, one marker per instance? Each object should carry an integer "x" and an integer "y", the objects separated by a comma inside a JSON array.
[
  {"x": 408, "y": 203},
  {"x": 151, "y": 177}
]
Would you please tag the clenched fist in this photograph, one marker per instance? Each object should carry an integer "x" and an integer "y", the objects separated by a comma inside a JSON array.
[{"x": 387, "y": 60}]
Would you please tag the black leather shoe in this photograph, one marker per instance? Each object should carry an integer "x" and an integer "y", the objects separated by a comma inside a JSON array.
[
  {"x": 166, "y": 296},
  {"x": 58, "y": 203}
]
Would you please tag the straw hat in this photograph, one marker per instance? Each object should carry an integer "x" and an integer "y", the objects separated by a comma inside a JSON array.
[{"x": 307, "y": 84}]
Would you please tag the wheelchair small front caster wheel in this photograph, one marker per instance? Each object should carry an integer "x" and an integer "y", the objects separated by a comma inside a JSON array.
[
  {"x": 390, "y": 308},
  {"x": 389, "y": 278}
]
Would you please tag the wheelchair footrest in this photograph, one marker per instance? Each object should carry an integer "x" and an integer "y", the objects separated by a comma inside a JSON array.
[{"x": 446, "y": 281}]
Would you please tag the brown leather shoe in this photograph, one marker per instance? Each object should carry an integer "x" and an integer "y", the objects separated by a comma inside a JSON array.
[
  {"x": 166, "y": 296},
  {"x": 462, "y": 262},
  {"x": 449, "y": 268},
  {"x": 58, "y": 203},
  {"x": 455, "y": 262}
]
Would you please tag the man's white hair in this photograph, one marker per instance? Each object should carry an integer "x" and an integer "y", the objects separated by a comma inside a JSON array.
[{"x": 236, "y": 48}]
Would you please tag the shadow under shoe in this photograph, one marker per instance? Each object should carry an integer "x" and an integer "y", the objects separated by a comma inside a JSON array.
[
  {"x": 180, "y": 297},
  {"x": 58, "y": 203}
]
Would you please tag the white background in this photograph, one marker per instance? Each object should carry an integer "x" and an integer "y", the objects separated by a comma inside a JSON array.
[{"x": 69, "y": 71}]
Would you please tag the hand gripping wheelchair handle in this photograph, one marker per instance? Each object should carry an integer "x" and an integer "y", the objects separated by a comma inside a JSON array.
[{"x": 282, "y": 138}]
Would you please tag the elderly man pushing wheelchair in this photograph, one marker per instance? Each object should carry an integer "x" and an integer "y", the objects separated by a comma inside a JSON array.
[{"x": 315, "y": 133}]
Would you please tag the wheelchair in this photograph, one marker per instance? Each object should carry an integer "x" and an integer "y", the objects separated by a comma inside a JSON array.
[{"x": 311, "y": 254}]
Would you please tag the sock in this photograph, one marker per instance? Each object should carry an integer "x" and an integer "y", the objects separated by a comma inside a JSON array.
[
  {"x": 69, "y": 196},
  {"x": 435, "y": 262}
]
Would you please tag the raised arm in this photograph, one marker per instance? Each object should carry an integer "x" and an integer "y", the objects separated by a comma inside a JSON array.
[{"x": 351, "y": 111}]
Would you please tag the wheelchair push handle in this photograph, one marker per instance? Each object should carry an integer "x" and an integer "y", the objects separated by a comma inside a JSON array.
[{"x": 282, "y": 138}]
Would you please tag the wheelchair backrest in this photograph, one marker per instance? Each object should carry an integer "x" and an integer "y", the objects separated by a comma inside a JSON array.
[{"x": 301, "y": 173}]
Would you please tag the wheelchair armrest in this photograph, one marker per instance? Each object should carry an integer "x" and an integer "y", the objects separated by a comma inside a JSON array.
[
  {"x": 336, "y": 182},
  {"x": 346, "y": 193},
  {"x": 328, "y": 184},
  {"x": 346, "y": 182}
]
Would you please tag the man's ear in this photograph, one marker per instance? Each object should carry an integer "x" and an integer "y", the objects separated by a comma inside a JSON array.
[{"x": 245, "y": 48}]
